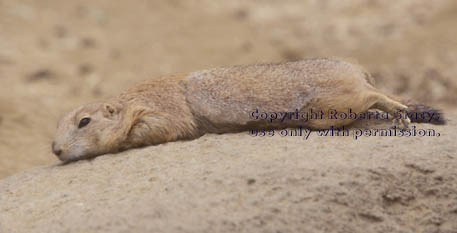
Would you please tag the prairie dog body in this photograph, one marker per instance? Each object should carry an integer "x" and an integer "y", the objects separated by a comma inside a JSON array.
[{"x": 222, "y": 100}]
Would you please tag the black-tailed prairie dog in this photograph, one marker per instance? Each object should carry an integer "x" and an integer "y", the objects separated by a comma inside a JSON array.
[{"x": 229, "y": 99}]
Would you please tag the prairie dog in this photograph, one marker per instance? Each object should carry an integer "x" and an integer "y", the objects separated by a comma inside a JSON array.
[{"x": 223, "y": 100}]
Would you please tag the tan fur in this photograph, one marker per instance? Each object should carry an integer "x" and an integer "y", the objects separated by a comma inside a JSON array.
[{"x": 219, "y": 100}]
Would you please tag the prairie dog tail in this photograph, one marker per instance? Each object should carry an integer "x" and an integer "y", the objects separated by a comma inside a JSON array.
[{"x": 421, "y": 113}]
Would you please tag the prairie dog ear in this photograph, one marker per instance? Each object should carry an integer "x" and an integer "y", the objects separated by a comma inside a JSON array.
[{"x": 110, "y": 110}]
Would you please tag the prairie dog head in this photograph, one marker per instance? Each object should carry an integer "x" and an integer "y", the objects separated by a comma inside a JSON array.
[{"x": 86, "y": 131}]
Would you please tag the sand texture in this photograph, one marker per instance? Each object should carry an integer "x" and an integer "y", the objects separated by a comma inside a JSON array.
[{"x": 240, "y": 183}]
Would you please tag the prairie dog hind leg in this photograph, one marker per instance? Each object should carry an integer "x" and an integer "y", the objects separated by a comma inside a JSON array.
[
  {"x": 358, "y": 103},
  {"x": 395, "y": 109}
]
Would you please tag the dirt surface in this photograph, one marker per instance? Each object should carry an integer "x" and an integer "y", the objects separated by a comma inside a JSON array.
[
  {"x": 240, "y": 183},
  {"x": 56, "y": 55}
]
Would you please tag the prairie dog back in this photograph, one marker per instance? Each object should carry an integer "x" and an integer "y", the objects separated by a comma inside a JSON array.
[{"x": 227, "y": 96}]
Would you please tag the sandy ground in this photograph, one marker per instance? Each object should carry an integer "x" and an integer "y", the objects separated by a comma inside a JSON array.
[
  {"x": 240, "y": 183},
  {"x": 56, "y": 55}
]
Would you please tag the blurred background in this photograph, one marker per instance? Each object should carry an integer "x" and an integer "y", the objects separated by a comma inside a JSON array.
[{"x": 58, "y": 54}]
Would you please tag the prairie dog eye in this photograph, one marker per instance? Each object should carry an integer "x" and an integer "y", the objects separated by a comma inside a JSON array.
[{"x": 83, "y": 122}]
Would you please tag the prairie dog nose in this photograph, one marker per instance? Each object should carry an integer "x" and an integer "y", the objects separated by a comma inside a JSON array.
[{"x": 55, "y": 150}]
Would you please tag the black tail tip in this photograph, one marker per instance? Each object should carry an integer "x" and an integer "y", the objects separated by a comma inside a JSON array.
[{"x": 420, "y": 113}]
